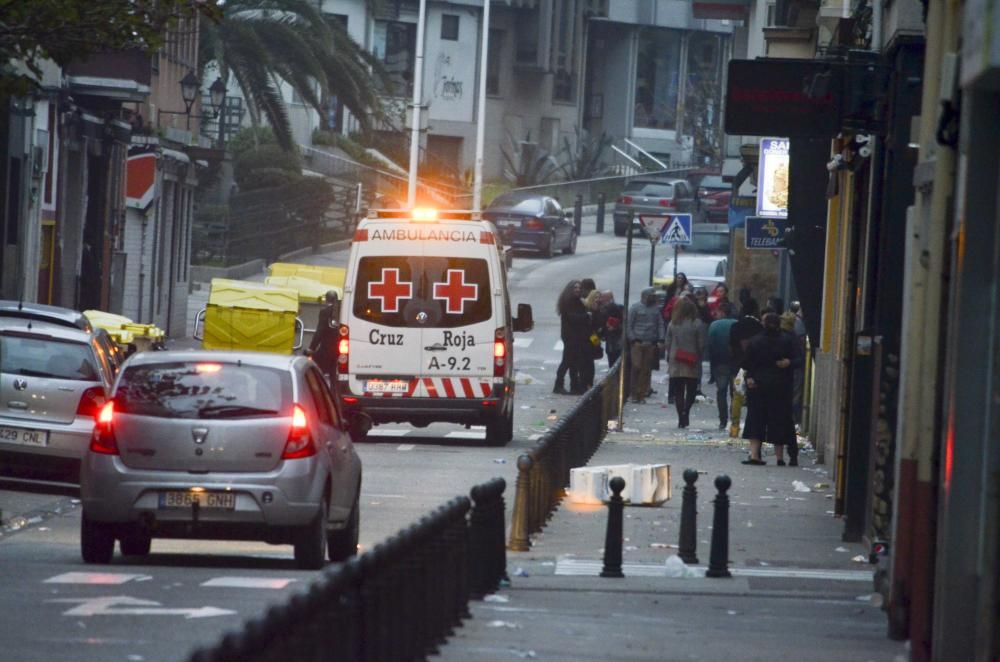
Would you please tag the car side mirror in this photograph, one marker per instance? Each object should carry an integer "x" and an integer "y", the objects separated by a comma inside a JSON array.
[{"x": 524, "y": 320}]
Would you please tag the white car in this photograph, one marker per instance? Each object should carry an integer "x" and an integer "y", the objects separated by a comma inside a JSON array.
[{"x": 701, "y": 270}]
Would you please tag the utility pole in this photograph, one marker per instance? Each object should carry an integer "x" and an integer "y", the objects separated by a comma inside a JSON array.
[
  {"x": 418, "y": 83},
  {"x": 477, "y": 184}
]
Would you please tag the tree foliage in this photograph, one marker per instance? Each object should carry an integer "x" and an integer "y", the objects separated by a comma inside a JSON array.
[
  {"x": 64, "y": 31},
  {"x": 263, "y": 42}
]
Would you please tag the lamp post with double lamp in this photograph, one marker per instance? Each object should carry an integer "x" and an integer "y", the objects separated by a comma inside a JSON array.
[
  {"x": 217, "y": 96},
  {"x": 190, "y": 85}
]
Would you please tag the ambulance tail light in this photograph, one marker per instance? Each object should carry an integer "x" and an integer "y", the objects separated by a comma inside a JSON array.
[
  {"x": 500, "y": 352},
  {"x": 343, "y": 349}
]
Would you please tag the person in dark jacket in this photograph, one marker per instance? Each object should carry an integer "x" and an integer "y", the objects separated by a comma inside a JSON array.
[
  {"x": 574, "y": 329},
  {"x": 613, "y": 316},
  {"x": 720, "y": 358},
  {"x": 323, "y": 347},
  {"x": 768, "y": 364},
  {"x": 746, "y": 327}
]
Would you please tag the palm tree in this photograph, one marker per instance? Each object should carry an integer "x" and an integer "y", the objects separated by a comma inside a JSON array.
[{"x": 261, "y": 43}]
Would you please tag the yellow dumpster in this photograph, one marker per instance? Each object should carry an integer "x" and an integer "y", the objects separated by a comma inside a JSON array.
[
  {"x": 244, "y": 315},
  {"x": 331, "y": 277},
  {"x": 312, "y": 298},
  {"x": 125, "y": 332}
]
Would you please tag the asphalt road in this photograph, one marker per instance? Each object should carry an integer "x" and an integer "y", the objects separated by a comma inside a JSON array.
[{"x": 186, "y": 594}]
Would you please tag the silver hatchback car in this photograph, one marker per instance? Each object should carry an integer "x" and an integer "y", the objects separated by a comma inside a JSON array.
[
  {"x": 225, "y": 446},
  {"x": 54, "y": 379}
]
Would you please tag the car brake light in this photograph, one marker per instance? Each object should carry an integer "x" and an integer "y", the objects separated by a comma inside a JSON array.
[
  {"x": 499, "y": 352},
  {"x": 625, "y": 199},
  {"x": 91, "y": 401},
  {"x": 299, "y": 442},
  {"x": 667, "y": 203},
  {"x": 534, "y": 224},
  {"x": 102, "y": 439}
]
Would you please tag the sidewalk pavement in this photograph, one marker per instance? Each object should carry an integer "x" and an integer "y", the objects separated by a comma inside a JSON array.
[{"x": 797, "y": 590}]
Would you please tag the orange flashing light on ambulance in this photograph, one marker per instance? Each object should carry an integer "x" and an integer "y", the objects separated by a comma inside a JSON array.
[{"x": 426, "y": 331}]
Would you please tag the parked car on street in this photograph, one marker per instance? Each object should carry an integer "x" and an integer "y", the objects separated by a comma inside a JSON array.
[
  {"x": 527, "y": 221},
  {"x": 701, "y": 270},
  {"x": 713, "y": 198},
  {"x": 54, "y": 379},
  {"x": 221, "y": 445},
  {"x": 652, "y": 196}
]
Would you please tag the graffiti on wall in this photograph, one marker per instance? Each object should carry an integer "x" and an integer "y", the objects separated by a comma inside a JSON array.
[{"x": 446, "y": 85}]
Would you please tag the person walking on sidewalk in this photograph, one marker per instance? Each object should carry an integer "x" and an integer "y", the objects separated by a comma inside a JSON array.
[
  {"x": 746, "y": 327},
  {"x": 685, "y": 345},
  {"x": 644, "y": 332},
  {"x": 574, "y": 329},
  {"x": 768, "y": 365},
  {"x": 720, "y": 358},
  {"x": 613, "y": 315},
  {"x": 592, "y": 303}
]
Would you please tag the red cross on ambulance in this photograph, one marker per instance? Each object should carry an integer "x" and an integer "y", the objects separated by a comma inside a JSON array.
[
  {"x": 390, "y": 290},
  {"x": 454, "y": 291}
]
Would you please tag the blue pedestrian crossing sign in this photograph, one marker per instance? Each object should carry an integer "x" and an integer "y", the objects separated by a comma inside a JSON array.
[{"x": 676, "y": 230}]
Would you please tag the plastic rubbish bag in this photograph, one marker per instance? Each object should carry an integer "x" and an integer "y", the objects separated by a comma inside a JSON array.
[{"x": 677, "y": 568}]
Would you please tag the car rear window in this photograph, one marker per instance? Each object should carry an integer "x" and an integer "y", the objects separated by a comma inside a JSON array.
[
  {"x": 714, "y": 182},
  {"x": 203, "y": 390},
  {"x": 652, "y": 189},
  {"x": 422, "y": 292},
  {"x": 47, "y": 357},
  {"x": 522, "y": 205}
]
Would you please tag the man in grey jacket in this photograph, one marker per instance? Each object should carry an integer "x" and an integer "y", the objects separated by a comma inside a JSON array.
[{"x": 644, "y": 330}]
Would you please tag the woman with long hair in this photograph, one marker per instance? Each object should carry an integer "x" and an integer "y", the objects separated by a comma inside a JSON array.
[
  {"x": 769, "y": 362},
  {"x": 574, "y": 329},
  {"x": 675, "y": 290},
  {"x": 685, "y": 345}
]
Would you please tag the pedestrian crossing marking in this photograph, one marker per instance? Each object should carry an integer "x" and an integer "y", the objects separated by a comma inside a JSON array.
[
  {"x": 377, "y": 432},
  {"x": 558, "y": 346},
  {"x": 405, "y": 447},
  {"x": 465, "y": 434},
  {"x": 276, "y": 583},
  {"x": 94, "y": 578},
  {"x": 523, "y": 343}
]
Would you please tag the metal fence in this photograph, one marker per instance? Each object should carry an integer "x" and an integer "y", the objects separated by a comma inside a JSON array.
[
  {"x": 267, "y": 223},
  {"x": 587, "y": 189},
  {"x": 396, "y": 602},
  {"x": 543, "y": 473}
]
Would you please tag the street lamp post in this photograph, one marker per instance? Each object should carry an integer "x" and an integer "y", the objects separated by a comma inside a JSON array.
[
  {"x": 189, "y": 91},
  {"x": 217, "y": 94}
]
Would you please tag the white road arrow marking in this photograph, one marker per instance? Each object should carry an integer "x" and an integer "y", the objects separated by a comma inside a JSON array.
[{"x": 110, "y": 606}]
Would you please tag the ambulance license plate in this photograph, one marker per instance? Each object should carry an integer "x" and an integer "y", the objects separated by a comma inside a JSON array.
[{"x": 384, "y": 386}]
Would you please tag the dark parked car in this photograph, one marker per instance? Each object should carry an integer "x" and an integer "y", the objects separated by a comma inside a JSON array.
[
  {"x": 527, "y": 221},
  {"x": 653, "y": 196},
  {"x": 713, "y": 197}
]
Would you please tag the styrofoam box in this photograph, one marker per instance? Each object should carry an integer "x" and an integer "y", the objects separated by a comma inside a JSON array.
[{"x": 645, "y": 484}]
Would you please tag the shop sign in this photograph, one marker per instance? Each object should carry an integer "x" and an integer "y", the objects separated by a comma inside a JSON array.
[
  {"x": 782, "y": 96},
  {"x": 772, "y": 178},
  {"x": 765, "y": 233}
]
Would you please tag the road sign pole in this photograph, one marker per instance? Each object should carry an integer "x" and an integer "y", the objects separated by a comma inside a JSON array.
[
  {"x": 675, "y": 263},
  {"x": 622, "y": 382},
  {"x": 652, "y": 261}
]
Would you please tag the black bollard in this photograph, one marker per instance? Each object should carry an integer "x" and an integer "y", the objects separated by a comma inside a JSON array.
[
  {"x": 718, "y": 560},
  {"x": 578, "y": 214},
  {"x": 613, "y": 538},
  {"x": 688, "y": 544},
  {"x": 600, "y": 213}
]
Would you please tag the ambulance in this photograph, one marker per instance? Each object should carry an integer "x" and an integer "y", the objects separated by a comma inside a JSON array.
[{"x": 426, "y": 331}]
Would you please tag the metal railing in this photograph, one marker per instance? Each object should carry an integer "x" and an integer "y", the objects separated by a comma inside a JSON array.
[
  {"x": 395, "y": 602},
  {"x": 588, "y": 189},
  {"x": 543, "y": 473},
  {"x": 377, "y": 179}
]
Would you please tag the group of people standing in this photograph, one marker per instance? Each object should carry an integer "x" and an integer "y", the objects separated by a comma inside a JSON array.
[
  {"x": 765, "y": 349},
  {"x": 590, "y": 327}
]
